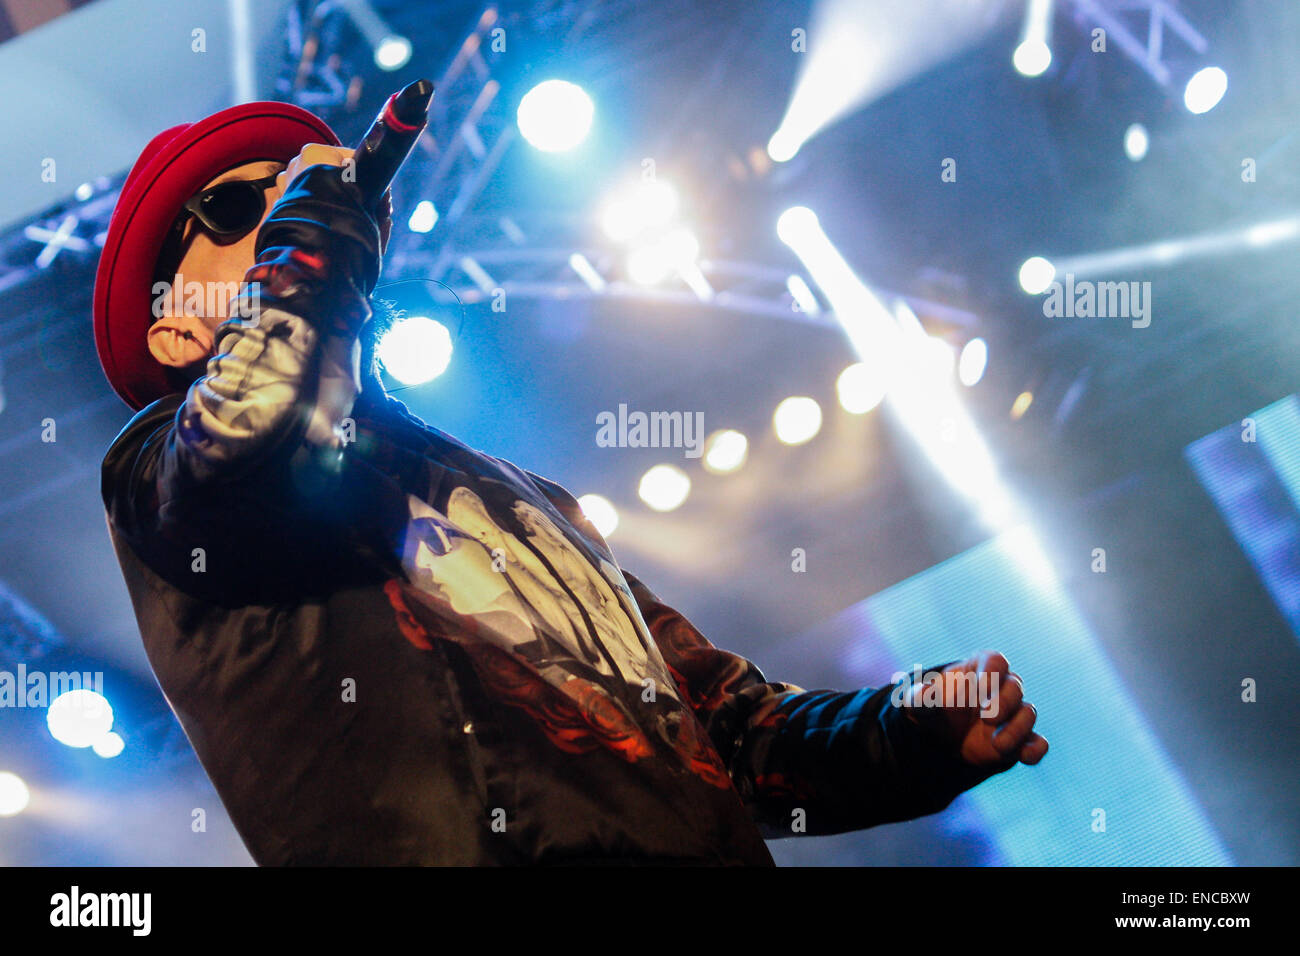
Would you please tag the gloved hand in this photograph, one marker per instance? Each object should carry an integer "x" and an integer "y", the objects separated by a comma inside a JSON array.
[{"x": 319, "y": 252}]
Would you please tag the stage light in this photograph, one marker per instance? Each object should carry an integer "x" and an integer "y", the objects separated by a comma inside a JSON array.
[
  {"x": 1032, "y": 58},
  {"x": 1136, "y": 142},
  {"x": 861, "y": 387},
  {"x": 392, "y": 52},
  {"x": 681, "y": 247},
  {"x": 14, "y": 794},
  {"x": 1205, "y": 89},
  {"x": 802, "y": 295},
  {"x": 850, "y": 53},
  {"x": 796, "y": 225},
  {"x": 797, "y": 420},
  {"x": 109, "y": 745},
  {"x": 974, "y": 357},
  {"x": 922, "y": 402},
  {"x": 600, "y": 512},
  {"x": 1167, "y": 252},
  {"x": 783, "y": 145},
  {"x": 587, "y": 272},
  {"x": 646, "y": 265},
  {"x": 423, "y": 217},
  {"x": 1024, "y": 547},
  {"x": 415, "y": 350},
  {"x": 1021, "y": 405},
  {"x": 1036, "y": 275},
  {"x": 84, "y": 192},
  {"x": 664, "y": 487},
  {"x": 648, "y": 205},
  {"x": 653, "y": 261},
  {"x": 555, "y": 115},
  {"x": 1267, "y": 233},
  {"x": 78, "y": 718},
  {"x": 725, "y": 451}
]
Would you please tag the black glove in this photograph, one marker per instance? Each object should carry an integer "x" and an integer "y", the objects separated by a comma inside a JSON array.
[{"x": 319, "y": 250}]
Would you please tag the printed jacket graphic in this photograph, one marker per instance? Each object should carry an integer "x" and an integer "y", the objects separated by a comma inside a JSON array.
[{"x": 388, "y": 648}]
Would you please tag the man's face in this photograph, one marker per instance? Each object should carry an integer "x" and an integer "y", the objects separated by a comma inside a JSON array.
[
  {"x": 218, "y": 259},
  {"x": 184, "y": 336}
]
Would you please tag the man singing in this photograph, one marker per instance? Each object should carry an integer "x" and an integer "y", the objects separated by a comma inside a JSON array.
[{"x": 389, "y": 648}]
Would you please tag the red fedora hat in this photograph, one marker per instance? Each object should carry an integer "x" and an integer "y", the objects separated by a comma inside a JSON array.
[{"x": 176, "y": 164}]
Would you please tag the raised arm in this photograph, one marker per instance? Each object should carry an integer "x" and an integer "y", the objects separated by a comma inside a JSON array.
[
  {"x": 288, "y": 374},
  {"x": 224, "y": 461}
]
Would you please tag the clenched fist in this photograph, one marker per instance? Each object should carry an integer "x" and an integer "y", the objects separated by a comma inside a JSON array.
[{"x": 993, "y": 728}]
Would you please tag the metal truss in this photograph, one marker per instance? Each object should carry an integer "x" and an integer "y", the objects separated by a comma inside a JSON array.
[
  {"x": 1138, "y": 27},
  {"x": 470, "y": 131}
]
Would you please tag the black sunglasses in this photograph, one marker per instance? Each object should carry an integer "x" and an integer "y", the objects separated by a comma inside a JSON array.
[
  {"x": 226, "y": 209},
  {"x": 229, "y": 208}
]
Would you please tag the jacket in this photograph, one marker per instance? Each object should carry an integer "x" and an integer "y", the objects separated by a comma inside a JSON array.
[{"x": 389, "y": 648}]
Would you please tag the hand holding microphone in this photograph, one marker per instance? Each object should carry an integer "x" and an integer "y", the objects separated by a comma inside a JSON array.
[
  {"x": 347, "y": 217},
  {"x": 380, "y": 155}
]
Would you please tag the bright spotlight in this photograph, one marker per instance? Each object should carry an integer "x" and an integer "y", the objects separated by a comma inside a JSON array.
[
  {"x": 109, "y": 745},
  {"x": 13, "y": 794},
  {"x": 601, "y": 512},
  {"x": 1136, "y": 142},
  {"x": 555, "y": 115},
  {"x": 974, "y": 358},
  {"x": 802, "y": 295},
  {"x": 78, "y": 718},
  {"x": 857, "y": 52},
  {"x": 725, "y": 451},
  {"x": 1267, "y": 233},
  {"x": 783, "y": 145},
  {"x": 423, "y": 217},
  {"x": 681, "y": 247},
  {"x": 1032, "y": 58},
  {"x": 653, "y": 261},
  {"x": 797, "y": 420},
  {"x": 647, "y": 265},
  {"x": 1205, "y": 89},
  {"x": 860, "y": 387},
  {"x": 416, "y": 350},
  {"x": 392, "y": 52},
  {"x": 650, "y": 204},
  {"x": 796, "y": 224},
  {"x": 664, "y": 487},
  {"x": 1036, "y": 274}
]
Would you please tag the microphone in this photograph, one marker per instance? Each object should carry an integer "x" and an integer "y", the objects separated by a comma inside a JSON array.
[{"x": 390, "y": 139}]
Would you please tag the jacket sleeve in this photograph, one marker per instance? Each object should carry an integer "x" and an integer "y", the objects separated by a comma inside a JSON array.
[
  {"x": 261, "y": 431},
  {"x": 274, "y": 397},
  {"x": 847, "y": 759},
  {"x": 286, "y": 372}
]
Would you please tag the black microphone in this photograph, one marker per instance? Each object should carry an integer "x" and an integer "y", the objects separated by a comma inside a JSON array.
[{"x": 390, "y": 139}]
